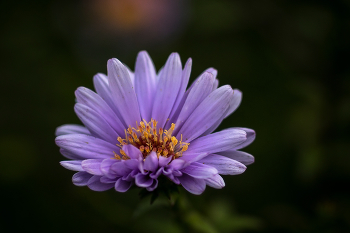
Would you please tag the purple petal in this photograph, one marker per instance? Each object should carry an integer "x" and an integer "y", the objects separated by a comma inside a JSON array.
[
  {"x": 70, "y": 155},
  {"x": 216, "y": 84},
  {"x": 105, "y": 179},
  {"x": 102, "y": 89},
  {"x": 190, "y": 157},
  {"x": 163, "y": 161},
  {"x": 105, "y": 167},
  {"x": 96, "y": 185},
  {"x": 250, "y": 138},
  {"x": 206, "y": 114},
  {"x": 215, "y": 181},
  {"x": 193, "y": 185},
  {"x": 132, "y": 164},
  {"x": 132, "y": 152},
  {"x": 74, "y": 165},
  {"x": 239, "y": 156},
  {"x": 219, "y": 141},
  {"x": 201, "y": 89},
  {"x": 92, "y": 166},
  {"x": 122, "y": 185},
  {"x": 71, "y": 129},
  {"x": 177, "y": 164},
  {"x": 85, "y": 146},
  {"x": 167, "y": 89},
  {"x": 123, "y": 92},
  {"x": 81, "y": 178},
  {"x": 120, "y": 169},
  {"x": 178, "y": 102},
  {"x": 155, "y": 175},
  {"x": 224, "y": 165},
  {"x": 96, "y": 124},
  {"x": 235, "y": 101},
  {"x": 153, "y": 186},
  {"x": 143, "y": 181},
  {"x": 145, "y": 84},
  {"x": 95, "y": 102},
  {"x": 200, "y": 171},
  {"x": 151, "y": 162}
]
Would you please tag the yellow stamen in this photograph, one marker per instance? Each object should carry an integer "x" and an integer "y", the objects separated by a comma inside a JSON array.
[
  {"x": 142, "y": 124},
  {"x": 165, "y": 152},
  {"x": 142, "y": 148},
  {"x": 130, "y": 139},
  {"x": 116, "y": 156},
  {"x": 174, "y": 140},
  {"x": 129, "y": 130},
  {"x": 122, "y": 152},
  {"x": 125, "y": 157},
  {"x": 121, "y": 141}
]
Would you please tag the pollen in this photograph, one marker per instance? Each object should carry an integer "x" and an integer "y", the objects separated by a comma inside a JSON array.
[{"x": 147, "y": 138}]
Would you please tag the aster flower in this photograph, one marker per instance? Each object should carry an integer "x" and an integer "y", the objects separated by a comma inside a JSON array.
[{"x": 143, "y": 125}]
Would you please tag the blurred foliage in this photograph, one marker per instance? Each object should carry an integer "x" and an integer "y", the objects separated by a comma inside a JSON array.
[{"x": 290, "y": 59}]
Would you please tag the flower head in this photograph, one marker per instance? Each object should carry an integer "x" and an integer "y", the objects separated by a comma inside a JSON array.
[{"x": 143, "y": 125}]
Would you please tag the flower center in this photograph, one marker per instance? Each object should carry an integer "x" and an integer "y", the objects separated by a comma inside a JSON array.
[{"x": 147, "y": 138}]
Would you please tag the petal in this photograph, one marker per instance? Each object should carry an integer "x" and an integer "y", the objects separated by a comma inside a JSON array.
[
  {"x": 167, "y": 89},
  {"x": 96, "y": 124},
  {"x": 122, "y": 185},
  {"x": 70, "y": 155},
  {"x": 206, "y": 114},
  {"x": 215, "y": 181},
  {"x": 106, "y": 180},
  {"x": 224, "y": 165},
  {"x": 105, "y": 167},
  {"x": 132, "y": 151},
  {"x": 145, "y": 84},
  {"x": 219, "y": 141},
  {"x": 132, "y": 164},
  {"x": 153, "y": 186},
  {"x": 201, "y": 89},
  {"x": 155, "y": 175},
  {"x": 239, "y": 156},
  {"x": 177, "y": 164},
  {"x": 151, "y": 162},
  {"x": 235, "y": 101},
  {"x": 163, "y": 161},
  {"x": 81, "y": 178},
  {"x": 143, "y": 181},
  {"x": 250, "y": 138},
  {"x": 96, "y": 103},
  {"x": 193, "y": 185},
  {"x": 86, "y": 146},
  {"x": 92, "y": 166},
  {"x": 190, "y": 157},
  {"x": 120, "y": 169},
  {"x": 123, "y": 92},
  {"x": 102, "y": 89},
  {"x": 96, "y": 185},
  {"x": 179, "y": 102},
  {"x": 200, "y": 171},
  {"x": 71, "y": 129},
  {"x": 74, "y": 165}
]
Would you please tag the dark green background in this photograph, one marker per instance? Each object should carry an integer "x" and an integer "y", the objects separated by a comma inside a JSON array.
[{"x": 289, "y": 58}]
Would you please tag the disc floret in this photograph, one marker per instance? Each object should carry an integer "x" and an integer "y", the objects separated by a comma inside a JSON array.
[{"x": 147, "y": 138}]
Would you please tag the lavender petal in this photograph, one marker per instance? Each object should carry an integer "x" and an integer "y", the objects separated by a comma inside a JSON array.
[
  {"x": 193, "y": 185},
  {"x": 123, "y": 92}
]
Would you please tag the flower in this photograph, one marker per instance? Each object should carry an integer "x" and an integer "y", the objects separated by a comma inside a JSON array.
[{"x": 143, "y": 125}]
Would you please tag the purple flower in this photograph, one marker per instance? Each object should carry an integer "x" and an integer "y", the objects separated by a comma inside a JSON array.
[{"x": 142, "y": 125}]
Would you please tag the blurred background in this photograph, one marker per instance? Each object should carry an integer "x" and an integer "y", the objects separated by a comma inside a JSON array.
[{"x": 289, "y": 58}]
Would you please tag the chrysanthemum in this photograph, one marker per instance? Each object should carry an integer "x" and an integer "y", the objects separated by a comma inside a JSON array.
[{"x": 143, "y": 125}]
